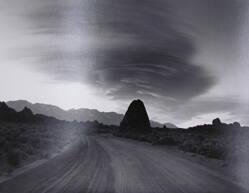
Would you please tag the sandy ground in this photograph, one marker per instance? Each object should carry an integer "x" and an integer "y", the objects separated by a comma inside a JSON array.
[{"x": 104, "y": 164}]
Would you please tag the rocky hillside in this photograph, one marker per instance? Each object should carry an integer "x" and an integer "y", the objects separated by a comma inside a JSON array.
[{"x": 26, "y": 137}]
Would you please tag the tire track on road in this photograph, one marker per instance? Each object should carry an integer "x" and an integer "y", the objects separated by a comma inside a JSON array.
[
  {"x": 140, "y": 167},
  {"x": 114, "y": 165}
]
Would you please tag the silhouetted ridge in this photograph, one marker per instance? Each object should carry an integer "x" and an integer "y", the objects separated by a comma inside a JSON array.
[
  {"x": 7, "y": 113},
  {"x": 26, "y": 115},
  {"x": 82, "y": 114},
  {"x": 5, "y": 109},
  {"x": 136, "y": 119}
]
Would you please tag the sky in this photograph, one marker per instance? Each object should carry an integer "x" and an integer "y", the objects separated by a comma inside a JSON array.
[{"x": 188, "y": 62}]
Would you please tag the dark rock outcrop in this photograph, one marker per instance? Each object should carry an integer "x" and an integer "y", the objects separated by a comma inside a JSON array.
[
  {"x": 136, "y": 119},
  {"x": 26, "y": 115},
  {"x": 216, "y": 122},
  {"x": 236, "y": 124},
  {"x": 7, "y": 113}
]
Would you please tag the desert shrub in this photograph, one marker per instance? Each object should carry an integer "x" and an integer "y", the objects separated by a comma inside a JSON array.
[
  {"x": 7, "y": 146},
  {"x": 208, "y": 147},
  {"x": 2, "y": 142},
  {"x": 14, "y": 157},
  {"x": 217, "y": 151},
  {"x": 29, "y": 150},
  {"x": 167, "y": 140},
  {"x": 44, "y": 155},
  {"x": 23, "y": 139},
  {"x": 188, "y": 145},
  {"x": 47, "y": 142},
  {"x": 35, "y": 142},
  {"x": 23, "y": 155},
  {"x": 152, "y": 138}
]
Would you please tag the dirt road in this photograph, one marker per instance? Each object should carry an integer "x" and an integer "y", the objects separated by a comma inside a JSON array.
[{"x": 107, "y": 165}]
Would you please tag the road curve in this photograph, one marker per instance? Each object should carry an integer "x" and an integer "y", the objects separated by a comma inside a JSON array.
[{"x": 113, "y": 165}]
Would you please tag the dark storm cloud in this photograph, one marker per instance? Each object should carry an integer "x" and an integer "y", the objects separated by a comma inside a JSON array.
[
  {"x": 63, "y": 65},
  {"x": 217, "y": 24},
  {"x": 153, "y": 58},
  {"x": 136, "y": 72},
  {"x": 47, "y": 18},
  {"x": 143, "y": 49},
  {"x": 157, "y": 62},
  {"x": 55, "y": 17},
  {"x": 219, "y": 17}
]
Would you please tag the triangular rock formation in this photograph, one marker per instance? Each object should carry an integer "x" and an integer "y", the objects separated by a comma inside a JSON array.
[{"x": 136, "y": 119}]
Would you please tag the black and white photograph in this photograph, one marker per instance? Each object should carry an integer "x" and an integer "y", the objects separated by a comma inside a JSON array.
[{"x": 124, "y": 96}]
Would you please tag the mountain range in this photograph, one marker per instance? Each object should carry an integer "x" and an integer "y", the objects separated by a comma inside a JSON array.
[
  {"x": 23, "y": 116},
  {"x": 82, "y": 114}
]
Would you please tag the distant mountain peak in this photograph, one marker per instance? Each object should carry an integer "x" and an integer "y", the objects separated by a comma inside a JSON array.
[
  {"x": 21, "y": 101},
  {"x": 19, "y": 105}
]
